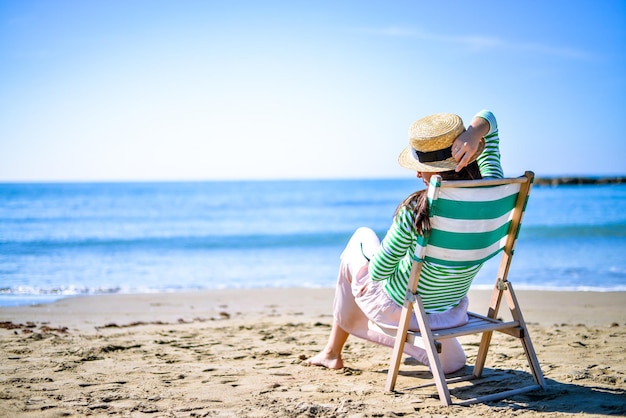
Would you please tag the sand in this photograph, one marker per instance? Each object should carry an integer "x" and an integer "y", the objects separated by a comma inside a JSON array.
[{"x": 239, "y": 353}]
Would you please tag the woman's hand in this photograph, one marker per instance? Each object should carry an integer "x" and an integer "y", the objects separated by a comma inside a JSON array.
[{"x": 466, "y": 145}]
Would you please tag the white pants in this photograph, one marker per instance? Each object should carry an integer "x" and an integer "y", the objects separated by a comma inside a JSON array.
[{"x": 360, "y": 299}]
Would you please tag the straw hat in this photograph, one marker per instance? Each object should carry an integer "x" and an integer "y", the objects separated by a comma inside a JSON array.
[{"x": 430, "y": 144}]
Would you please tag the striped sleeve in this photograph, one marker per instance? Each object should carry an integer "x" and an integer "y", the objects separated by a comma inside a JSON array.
[
  {"x": 489, "y": 117},
  {"x": 489, "y": 160},
  {"x": 395, "y": 249}
]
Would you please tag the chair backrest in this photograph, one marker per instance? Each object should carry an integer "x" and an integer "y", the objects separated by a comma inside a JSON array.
[{"x": 472, "y": 221}]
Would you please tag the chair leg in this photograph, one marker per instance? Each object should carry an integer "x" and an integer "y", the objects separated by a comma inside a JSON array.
[
  {"x": 531, "y": 357},
  {"x": 481, "y": 357},
  {"x": 429, "y": 343},
  {"x": 529, "y": 350},
  {"x": 533, "y": 362},
  {"x": 403, "y": 327},
  {"x": 398, "y": 347},
  {"x": 494, "y": 307},
  {"x": 433, "y": 357}
]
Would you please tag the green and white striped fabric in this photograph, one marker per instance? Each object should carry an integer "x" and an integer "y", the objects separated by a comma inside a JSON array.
[{"x": 469, "y": 225}]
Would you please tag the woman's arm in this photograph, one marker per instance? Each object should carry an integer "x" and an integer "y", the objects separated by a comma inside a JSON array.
[
  {"x": 466, "y": 145},
  {"x": 394, "y": 249},
  {"x": 489, "y": 160}
]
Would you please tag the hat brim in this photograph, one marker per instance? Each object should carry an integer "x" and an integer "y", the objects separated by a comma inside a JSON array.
[{"x": 407, "y": 160}]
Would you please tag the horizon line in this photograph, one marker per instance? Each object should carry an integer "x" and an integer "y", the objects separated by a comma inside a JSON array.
[{"x": 542, "y": 178}]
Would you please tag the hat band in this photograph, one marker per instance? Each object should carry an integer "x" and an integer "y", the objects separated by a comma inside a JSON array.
[{"x": 429, "y": 157}]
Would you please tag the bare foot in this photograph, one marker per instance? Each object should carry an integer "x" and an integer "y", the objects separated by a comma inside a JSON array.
[{"x": 325, "y": 360}]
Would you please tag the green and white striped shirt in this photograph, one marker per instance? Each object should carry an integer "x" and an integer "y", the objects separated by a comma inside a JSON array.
[{"x": 440, "y": 287}]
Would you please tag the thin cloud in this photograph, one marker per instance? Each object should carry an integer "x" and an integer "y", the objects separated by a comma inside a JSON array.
[
  {"x": 549, "y": 50},
  {"x": 481, "y": 42}
]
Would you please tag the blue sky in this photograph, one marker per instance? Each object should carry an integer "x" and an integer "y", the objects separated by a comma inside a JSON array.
[{"x": 195, "y": 90}]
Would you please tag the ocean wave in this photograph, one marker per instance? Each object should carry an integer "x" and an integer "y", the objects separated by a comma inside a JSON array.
[
  {"x": 227, "y": 242},
  {"x": 271, "y": 240},
  {"x": 609, "y": 230}
]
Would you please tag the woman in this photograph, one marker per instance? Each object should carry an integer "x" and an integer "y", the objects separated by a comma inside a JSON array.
[{"x": 373, "y": 275}]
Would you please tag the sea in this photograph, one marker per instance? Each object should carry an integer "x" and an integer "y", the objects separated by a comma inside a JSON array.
[{"x": 64, "y": 239}]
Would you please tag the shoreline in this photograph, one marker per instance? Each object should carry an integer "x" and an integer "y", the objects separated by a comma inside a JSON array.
[
  {"x": 84, "y": 311},
  {"x": 239, "y": 353},
  {"x": 13, "y": 300}
]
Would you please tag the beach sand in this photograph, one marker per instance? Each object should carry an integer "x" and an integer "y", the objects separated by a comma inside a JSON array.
[{"x": 239, "y": 353}]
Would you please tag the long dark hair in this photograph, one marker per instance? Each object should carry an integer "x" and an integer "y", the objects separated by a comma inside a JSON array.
[{"x": 418, "y": 201}]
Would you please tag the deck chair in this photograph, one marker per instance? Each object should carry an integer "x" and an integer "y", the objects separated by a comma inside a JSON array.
[{"x": 472, "y": 221}]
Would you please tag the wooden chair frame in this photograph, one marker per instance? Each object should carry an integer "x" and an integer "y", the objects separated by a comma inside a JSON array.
[{"x": 477, "y": 323}]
